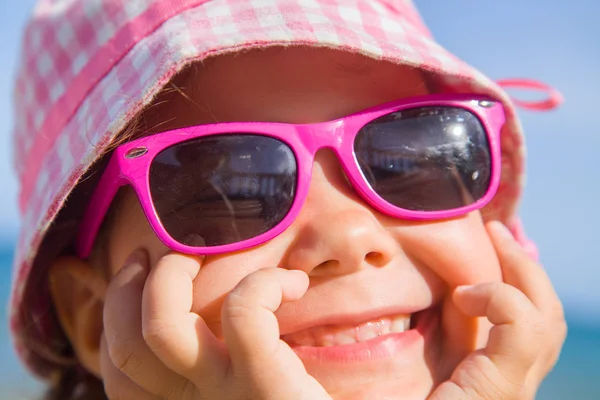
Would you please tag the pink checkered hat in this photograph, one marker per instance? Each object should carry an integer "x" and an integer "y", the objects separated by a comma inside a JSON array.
[{"x": 89, "y": 66}]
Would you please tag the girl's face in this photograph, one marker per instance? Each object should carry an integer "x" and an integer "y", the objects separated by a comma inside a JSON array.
[{"x": 363, "y": 266}]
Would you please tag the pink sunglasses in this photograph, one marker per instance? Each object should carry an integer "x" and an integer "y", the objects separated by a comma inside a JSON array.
[{"x": 229, "y": 186}]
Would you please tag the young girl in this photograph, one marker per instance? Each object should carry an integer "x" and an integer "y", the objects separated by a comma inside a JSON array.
[{"x": 236, "y": 199}]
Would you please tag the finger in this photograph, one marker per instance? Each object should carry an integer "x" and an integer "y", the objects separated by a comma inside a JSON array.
[
  {"x": 500, "y": 370},
  {"x": 179, "y": 337},
  {"x": 520, "y": 271},
  {"x": 123, "y": 330},
  {"x": 250, "y": 328},
  {"x": 526, "y": 275},
  {"x": 251, "y": 333},
  {"x": 514, "y": 341},
  {"x": 117, "y": 386}
]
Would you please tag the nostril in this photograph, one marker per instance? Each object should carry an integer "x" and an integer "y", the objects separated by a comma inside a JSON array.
[
  {"x": 376, "y": 258},
  {"x": 327, "y": 264}
]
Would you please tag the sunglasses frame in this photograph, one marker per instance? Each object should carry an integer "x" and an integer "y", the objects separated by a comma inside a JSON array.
[{"x": 130, "y": 165}]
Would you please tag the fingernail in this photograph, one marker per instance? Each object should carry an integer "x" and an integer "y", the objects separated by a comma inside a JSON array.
[
  {"x": 297, "y": 274},
  {"x": 464, "y": 288},
  {"x": 502, "y": 230},
  {"x": 138, "y": 257}
]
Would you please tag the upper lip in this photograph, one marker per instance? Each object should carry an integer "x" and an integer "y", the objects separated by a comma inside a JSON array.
[{"x": 355, "y": 318}]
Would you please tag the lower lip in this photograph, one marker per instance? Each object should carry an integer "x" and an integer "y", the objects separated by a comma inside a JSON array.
[{"x": 378, "y": 348}]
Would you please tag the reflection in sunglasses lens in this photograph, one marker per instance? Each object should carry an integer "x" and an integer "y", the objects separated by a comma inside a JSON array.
[
  {"x": 222, "y": 189},
  {"x": 426, "y": 159}
]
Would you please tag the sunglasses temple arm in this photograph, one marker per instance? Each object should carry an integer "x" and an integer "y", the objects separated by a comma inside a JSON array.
[{"x": 112, "y": 180}]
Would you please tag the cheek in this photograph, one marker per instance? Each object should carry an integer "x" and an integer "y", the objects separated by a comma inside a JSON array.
[{"x": 459, "y": 251}]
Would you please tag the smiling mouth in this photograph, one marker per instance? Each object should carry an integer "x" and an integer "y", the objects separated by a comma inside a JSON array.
[{"x": 340, "y": 335}]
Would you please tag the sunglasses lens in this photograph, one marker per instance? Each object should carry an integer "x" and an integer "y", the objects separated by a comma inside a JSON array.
[
  {"x": 426, "y": 159},
  {"x": 223, "y": 189}
]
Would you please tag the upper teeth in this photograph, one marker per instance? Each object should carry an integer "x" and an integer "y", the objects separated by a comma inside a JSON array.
[{"x": 325, "y": 336}]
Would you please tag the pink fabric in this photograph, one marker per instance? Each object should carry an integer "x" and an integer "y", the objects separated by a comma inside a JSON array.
[
  {"x": 89, "y": 66},
  {"x": 83, "y": 54},
  {"x": 553, "y": 100}
]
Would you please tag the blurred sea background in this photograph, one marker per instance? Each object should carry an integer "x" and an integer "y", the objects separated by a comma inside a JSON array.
[{"x": 556, "y": 42}]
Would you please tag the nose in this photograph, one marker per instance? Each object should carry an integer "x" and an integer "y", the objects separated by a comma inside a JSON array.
[{"x": 336, "y": 233}]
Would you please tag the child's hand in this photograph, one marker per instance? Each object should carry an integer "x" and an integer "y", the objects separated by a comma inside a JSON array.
[
  {"x": 155, "y": 348},
  {"x": 528, "y": 333}
]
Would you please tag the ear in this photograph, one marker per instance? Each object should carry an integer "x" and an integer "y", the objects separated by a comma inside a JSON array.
[{"x": 78, "y": 292}]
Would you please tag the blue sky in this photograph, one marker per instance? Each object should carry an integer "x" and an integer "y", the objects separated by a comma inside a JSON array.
[{"x": 553, "y": 41}]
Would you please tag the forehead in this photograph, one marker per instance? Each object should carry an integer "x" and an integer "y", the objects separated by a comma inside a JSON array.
[{"x": 294, "y": 84}]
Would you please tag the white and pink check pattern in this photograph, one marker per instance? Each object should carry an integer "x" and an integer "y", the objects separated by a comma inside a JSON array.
[{"x": 89, "y": 66}]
